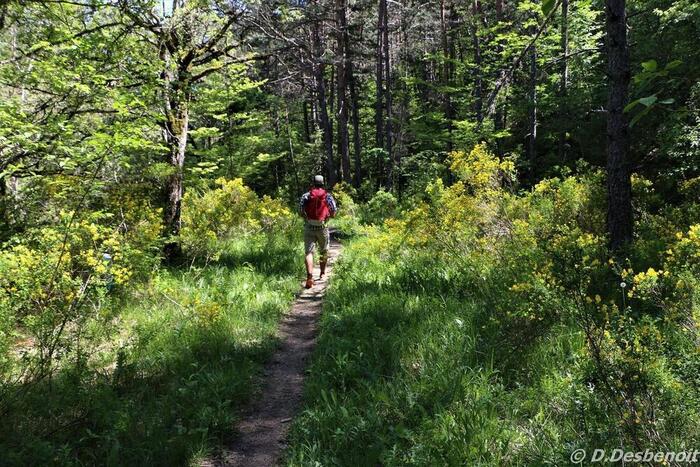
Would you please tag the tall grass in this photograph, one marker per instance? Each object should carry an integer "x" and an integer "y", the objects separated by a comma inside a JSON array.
[
  {"x": 484, "y": 326},
  {"x": 178, "y": 359},
  {"x": 407, "y": 372}
]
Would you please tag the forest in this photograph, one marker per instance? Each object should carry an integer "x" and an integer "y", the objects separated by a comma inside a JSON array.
[{"x": 518, "y": 190}]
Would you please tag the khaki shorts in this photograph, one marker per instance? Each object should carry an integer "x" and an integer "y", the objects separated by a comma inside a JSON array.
[{"x": 312, "y": 236}]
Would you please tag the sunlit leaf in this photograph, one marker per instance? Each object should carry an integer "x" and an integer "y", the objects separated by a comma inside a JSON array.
[
  {"x": 650, "y": 65},
  {"x": 647, "y": 101}
]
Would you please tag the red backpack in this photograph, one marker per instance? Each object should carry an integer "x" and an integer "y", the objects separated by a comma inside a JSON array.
[{"x": 316, "y": 208}]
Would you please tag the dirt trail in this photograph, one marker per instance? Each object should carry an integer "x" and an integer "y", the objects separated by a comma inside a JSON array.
[{"x": 262, "y": 431}]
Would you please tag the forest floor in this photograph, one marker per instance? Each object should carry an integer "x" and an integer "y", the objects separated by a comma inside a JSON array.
[{"x": 261, "y": 433}]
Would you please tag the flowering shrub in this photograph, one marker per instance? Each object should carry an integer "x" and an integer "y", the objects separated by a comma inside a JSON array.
[
  {"x": 346, "y": 220},
  {"x": 539, "y": 262},
  {"x": 140, "y": 228},
  {"x": 232, "y": 208},
  {"x": 482, "y": 170},
  {"x": 54, "y": 281},
  {"x": 271, "y": 214}
]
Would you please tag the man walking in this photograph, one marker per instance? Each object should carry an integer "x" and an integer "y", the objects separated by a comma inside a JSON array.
[{"x": 316, "y": 207}]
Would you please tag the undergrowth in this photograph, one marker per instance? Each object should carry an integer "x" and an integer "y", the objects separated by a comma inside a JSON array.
[
  {"x": 486, "y": 326},
  {"x": 177, "y": 359},
  {"x": 401, "y": 376}
]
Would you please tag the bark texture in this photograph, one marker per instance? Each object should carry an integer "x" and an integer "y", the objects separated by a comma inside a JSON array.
[
  {"x": 619, "y": 216},
  {"x": 564, "y": 80},
  {"x": 342, "y": 74},
  {"x": 176, "y": 98},
  {"x": 323, "y": 120}
]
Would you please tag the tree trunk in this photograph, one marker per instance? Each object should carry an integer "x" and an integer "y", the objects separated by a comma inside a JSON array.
[
  {"x": 342, "y": 73},
  {"x": 445, "y": 79},
  {"x": 620, "y": 222},
  {"x": 446, "y": 19},
  {"x": 532, "y": 109},
  {"x": 177, "y": 114},
  {"x": 403, "y": 56},
  {"x": 176, "y": 101},
  {"x": 532, "y": 112},
  {"x": 291, "y": 148},
  {"x": 499, "y": 115},
  {"x": 307, "y": 128},
  {"x": 356, "y": 138},
  {"x": 478, "y": 80},
  {"x": 313, "y": 88},
  {"x": 331, "y": 87},
  {"x": 388, "y": 97},
  {"x": 323, "y": 121},
  {"x": 564, "y": 80},
  {"x": 177, "y": 142},
  {"x": 379, "y": 76}
]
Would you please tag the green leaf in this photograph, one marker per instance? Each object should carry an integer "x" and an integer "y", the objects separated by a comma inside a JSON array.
[
  {"x": 674, "y": 64},
  {"x": 668, "y": 101},
  {"x": 650, "y": 65},
  {"x": 40, "y": 45},
  {"x": 631, "y": 106},
  {"x": 547, "y": 6},
  {"x": 647, "y": 101},
  {"x": 205, "y": 132},
  {"x": 266, "y": 157}
]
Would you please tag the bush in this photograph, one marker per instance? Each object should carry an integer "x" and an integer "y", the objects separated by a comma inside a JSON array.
[
  {"x": 156, "y": 377},
  {"x": 579, "y": 349},
  {"x": 346, "y": 221},
  {"x": 231, "y": 209},
  {"x": 54, "y": 284},
  {"x": 140, "y": 227},
  {"x": 383, "y": 205}
]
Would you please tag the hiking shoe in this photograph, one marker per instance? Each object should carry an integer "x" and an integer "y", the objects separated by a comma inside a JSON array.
[{"x": 309, "y": 283}]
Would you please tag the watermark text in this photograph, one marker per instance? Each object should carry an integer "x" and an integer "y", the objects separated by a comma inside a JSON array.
[{"x": 620, "y": 455}]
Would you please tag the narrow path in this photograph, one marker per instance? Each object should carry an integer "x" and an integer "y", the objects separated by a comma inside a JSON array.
[{"x": 262, "y": 431}]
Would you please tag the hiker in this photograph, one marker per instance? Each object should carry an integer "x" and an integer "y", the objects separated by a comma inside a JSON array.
[{"x": 316, "y": 207}]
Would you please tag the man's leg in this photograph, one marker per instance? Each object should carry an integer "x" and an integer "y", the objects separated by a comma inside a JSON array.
[
  {"x": 309, "y": 246},
  {"x": 309, "y": 263},
  {"x": 323, "y": 242},
  {"x": 323, "y": 261}
]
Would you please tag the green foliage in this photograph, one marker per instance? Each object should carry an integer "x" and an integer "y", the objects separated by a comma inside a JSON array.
[
  {"x": 347, "y": 220},
  {"x": 105, "y": 357},
  {"x": 471, "y": 323},
  {"x": 644, "y": 81},
  {"x": 160, "y": 378},
  {"x": 383, "y": 205},
  {"x": 487, "y": 327},
  {"x": 54, "y": 284},
  {"x": 231, "y": 209}
]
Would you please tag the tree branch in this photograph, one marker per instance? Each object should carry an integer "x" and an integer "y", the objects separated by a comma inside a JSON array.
[
  {"x": 506, "y": 76},
  {"x": 210, "y": 70}
]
